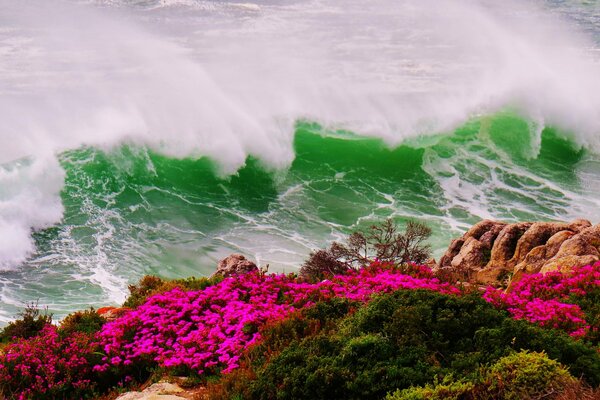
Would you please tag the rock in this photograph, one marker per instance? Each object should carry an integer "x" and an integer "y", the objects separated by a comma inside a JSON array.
[
  {"x": 484, "y": 231},
  {"x": 488, "y": 238},
  {"x": 157, "y": 391},
  {"x": 148, "y": 396},
  {"x": 579, "y": 224},
  {"x": 538, "y": 256},
  {"x": 112, "y": 313},
  {"x": 505, "y": 246},
  {"x": 163, "y": 388},
  {"x": 585, "y": 242},
  {"x": 235, "y": 264},
  {"x": 471, "y": 256},
  {"x": 130, "y": 396},
  {"x": 453, "y": 249},
  {"x": 491, "y": 250},
  {"x": 538, "y": 234},
  {"x": 567, "y": 263}
]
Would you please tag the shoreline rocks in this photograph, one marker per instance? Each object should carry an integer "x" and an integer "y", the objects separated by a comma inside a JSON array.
[
  {"x": 157, "y": 391},
  {"x": 234, "y": 264},
  {"x": 492, "y": 251}
]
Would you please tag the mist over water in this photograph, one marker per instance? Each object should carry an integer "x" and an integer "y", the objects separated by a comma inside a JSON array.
[{"x": 157, "y": 136}]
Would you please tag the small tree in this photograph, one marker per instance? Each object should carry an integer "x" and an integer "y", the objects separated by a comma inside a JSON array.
[
  {"x": 381, "y": 242},
  {"x": 32, "y": 320}
]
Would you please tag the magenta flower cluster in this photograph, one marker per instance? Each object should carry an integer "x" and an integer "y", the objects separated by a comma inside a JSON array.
[
  {"x": 548, "y": 299},
  {"x": 207, "y": 330},
  {"x": 46, "y": 365}
]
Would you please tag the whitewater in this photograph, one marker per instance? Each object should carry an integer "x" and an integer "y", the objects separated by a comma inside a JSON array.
[{"x": 158, "y": 136}]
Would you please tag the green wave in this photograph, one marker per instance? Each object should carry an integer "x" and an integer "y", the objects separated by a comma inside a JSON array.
[{"x": 133, "y": 211}]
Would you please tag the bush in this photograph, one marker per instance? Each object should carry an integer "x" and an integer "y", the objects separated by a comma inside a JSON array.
[
  {"x": 582, "y": 360},
  {"x": 47, "y": 366},
  {"x": 448, "y": 390},
  {"x": 570, "y": 302},
  {"x": 399, "y": 340},
  {"x": 518, "y": 376},
  {"x": 526, "y": 375},
  {"x": 381, "y": 243},
  {"x": 82, "y": 321},
  {"x": 31, "y": 322}
]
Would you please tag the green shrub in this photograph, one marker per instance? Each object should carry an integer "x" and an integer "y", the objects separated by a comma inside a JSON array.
[
  {"x": 87, "y": 321},
  {"x": 582, "y": 359},
  {"x": 448, "y": 390},
  {"x": 32, "y": 320},
  {"x": 526, "y": 375},
  {"x": 518, "y": 376},
  {"x": 398, "y": 340}
]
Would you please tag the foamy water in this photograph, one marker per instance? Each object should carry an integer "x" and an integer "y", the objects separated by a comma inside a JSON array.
[{"x": 228, "y": 81}]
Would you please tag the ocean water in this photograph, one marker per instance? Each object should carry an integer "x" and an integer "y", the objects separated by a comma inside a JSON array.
[{"x": 158, "y": 136}]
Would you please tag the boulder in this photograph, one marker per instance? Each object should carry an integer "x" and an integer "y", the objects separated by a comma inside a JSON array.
[
  {"x": 538, "y": 234},
  {"x": 235, "y": 264},
  {"x": 157, "y": 391},
  {"x": 583, "y": 243},
  {"x": 453, "y": 249},
  {"x": 538, "y": 256},
  {"x": 567, "y": 263},
  {"x": 579, "y": 224},
  {"x": 484, "y": 231},
  {"x": 491, "y": 251},
  {"x": 505, "y": 246},
  {"x": 111, "y": 313},
  {"x": 470, "y": 256}
]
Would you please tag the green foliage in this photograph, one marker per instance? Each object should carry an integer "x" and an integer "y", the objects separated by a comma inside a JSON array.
[
  {"x": 32, "y": 320},
  {"x": 582, "y": 359},
  {"x": 150, "y": 285},
  {"x": 87, "y": 321},
  {"x": 518, "y": 376},
  {"x": 400, "y": 340},
  {"x": 590, "y": 304},
  {"x": 381, "y": 242},
  {"x": 448, "y": 390},
  {"x": 526, "y": 375},
  {"x": 320, "y": 318}
]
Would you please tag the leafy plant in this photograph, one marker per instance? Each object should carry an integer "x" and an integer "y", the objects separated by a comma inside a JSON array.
[
  {"x": 31, "y": 322},
  {"x": 399, "y": 340},
  {"x": 526, "y": 375},
  {"x": 519, "y": 376},
  {"x": 87, "y": 321}
]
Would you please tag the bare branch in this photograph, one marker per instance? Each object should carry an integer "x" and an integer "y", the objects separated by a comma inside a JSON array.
[{"x": 382, "y": 242}]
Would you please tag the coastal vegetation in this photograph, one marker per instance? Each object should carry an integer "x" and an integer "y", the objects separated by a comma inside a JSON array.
[{"x": 372, "y": 325}]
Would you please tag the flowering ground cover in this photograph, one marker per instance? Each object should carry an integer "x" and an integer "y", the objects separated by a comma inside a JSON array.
[
  {"x": 562, "y": 301},
  {"x": 207, "y": 331}
]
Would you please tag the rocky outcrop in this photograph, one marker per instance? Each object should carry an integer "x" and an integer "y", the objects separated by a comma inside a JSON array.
[
  {"x": 491, "y": 251},
  {"x": 235, "y": 264},
  {"x": 158, "y": 391},
  {"x": 111, "y": 313}
]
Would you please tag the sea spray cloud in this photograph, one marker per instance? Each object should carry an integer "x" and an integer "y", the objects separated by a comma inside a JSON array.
[{"x": 29, "y": 199}]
